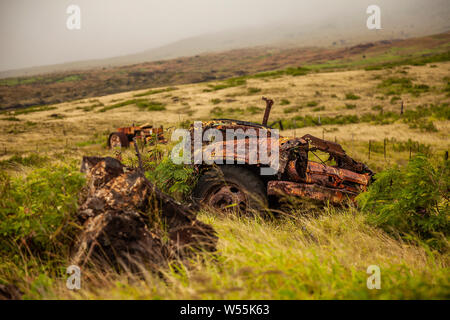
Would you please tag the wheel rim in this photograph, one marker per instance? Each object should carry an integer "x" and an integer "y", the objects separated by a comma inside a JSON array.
[
  {"x": 114, "y": 141},
  {"x": 227, "y": 197}
]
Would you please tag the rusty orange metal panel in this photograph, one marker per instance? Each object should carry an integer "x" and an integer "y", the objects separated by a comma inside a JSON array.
[{"x": 312, "y": 191}]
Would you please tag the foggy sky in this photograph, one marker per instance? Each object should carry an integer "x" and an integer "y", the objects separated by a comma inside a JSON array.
[{"x": 33, "y": 32}]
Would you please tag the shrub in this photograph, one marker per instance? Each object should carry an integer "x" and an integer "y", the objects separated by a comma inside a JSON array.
[
  {"x": 174, "y": 179},
  {"x": 38, "y": 210},
  {"x": 154, "y": 91},
  {"x": 232, "y": 82},
  {"x": 31, "y": 160},
  {"x": 253, "y": 109},
  {"x": 411, "y": 201},
  {"x": 319, "y": 109},
  {"x": 284, "y": 102},
  {"x": 216, "y": 101},
  {"x": 351, "y": 96},
  {"x": 151, "y": 105}
]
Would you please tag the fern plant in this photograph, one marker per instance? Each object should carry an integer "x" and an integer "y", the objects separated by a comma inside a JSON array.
[{"x": 411, "y": 201}]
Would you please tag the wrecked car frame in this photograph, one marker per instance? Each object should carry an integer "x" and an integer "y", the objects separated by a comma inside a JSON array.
[{"x": 342, "y": 179}]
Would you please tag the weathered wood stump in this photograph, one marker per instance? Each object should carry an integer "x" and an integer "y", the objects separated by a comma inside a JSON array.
[{"x": 128, "y": 222}]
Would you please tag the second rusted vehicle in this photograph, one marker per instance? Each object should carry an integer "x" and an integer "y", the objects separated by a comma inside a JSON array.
[
  {"x": 146, "y": 133},
  {"x": 301, "y": 171}
]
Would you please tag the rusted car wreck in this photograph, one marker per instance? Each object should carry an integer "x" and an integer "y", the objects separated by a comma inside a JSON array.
[
  {"x": 241, "y": 186},
  {"x": 125, "y": 136}
]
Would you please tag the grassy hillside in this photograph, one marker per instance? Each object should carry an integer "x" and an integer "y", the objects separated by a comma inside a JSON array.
[
  {"x": 309, "y": 252},
  {"x": 68, "y": 86}
]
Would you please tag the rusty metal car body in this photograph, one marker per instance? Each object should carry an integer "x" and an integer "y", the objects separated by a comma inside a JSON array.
[{"x": 336, "y": 179}]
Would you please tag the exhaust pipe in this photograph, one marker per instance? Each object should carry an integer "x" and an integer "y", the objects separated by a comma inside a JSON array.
[{"x": 269, "y": 103}]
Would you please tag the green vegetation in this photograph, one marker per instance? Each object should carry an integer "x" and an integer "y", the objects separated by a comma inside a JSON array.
[
  {"x": 284, "y": 102},
  {"x": 377, "y": 108},
  {"x": 155, "y": 91},
  {"x": 11, "y": 82},
  {"x": 31, "y": 160},
  {"x": 412, "y": 201},
  {"x": 91, "y": 107},
  {"x": 216, "y": 101},
  {"x": 420, "y": 118},
  {"x": 413, "y": 61},
  {"x": 397, "y": 86},
  {"x": 291, "y": 71},
  {"x": 312, "y": 104},
  {"x": 220, "y": 112},
  {"x": 12, "y": 118},
  {"x": 254, "y": 110},
  {"x": 151, "y": 105},
  {"x": 37, "y": 215},
  {"x": 351, "y": 96},
  {"x": 229, "y": 83},
  {"x": 292, "y": 109},
  {"x": 142, "y": 104},
  {"x": 350, "y": 106},
  {"x": 252, "y": 90},
  {"x": 32, "y": 109}
]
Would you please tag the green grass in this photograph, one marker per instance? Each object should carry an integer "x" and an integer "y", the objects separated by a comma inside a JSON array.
[
  {"x": 11, "y": 119},
  {"x": 309, "y": 252},
  {"x": 33, "y": 109},
  {"x": 420, "y": 118},
  {"x": 352, "y": 96},
  {"x": 254, "y": 110},
  {"x": 312, "y": 104},
  {"x": 11, "y": 82},
  {"x": 397, "y": 86},
  {"x": 151, "y": 105},
  {"x": 252, "y": 90},
  {"x": 229, "y": 83},
  {"x": 123, "y": 104},
  {"x": 292, "y": 258},
  {"x": 284, "y": 102},
  {"x": 155, "y": 91}
]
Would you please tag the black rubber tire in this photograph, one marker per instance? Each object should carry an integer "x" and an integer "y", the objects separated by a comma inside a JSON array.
[
  {"x": 243, "y": 178},
  {"x": 124, "y": 143}
]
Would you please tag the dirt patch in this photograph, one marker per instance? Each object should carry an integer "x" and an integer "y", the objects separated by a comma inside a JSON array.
[{"x": 128, "y": 222}]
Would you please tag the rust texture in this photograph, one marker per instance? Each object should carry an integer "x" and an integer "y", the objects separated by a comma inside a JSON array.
[
  {"x": 128, "y": 222},
  {"x": 269, "y": 103},
  {"x": 146, "y": 133},
  {"x": 311, "y": 191},
  {"x": 297, "y": 175}
]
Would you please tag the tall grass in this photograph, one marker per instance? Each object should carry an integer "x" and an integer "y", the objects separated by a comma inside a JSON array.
[{"x": 292, "y": 258}]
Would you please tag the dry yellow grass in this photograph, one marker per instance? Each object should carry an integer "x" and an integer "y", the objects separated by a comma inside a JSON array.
[{"x": 40, "y": 131}]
